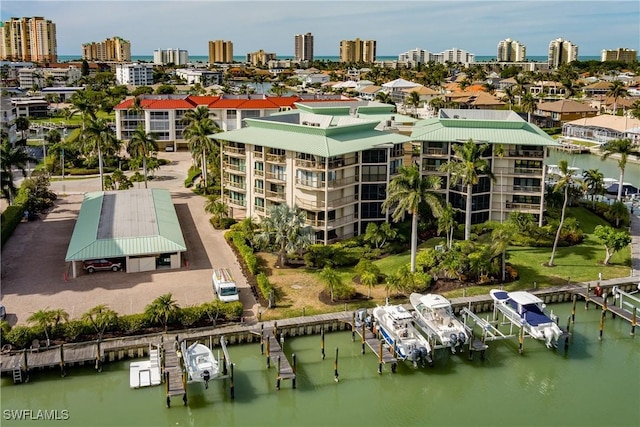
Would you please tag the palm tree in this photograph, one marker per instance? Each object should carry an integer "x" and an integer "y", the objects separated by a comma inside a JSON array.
[
  {"x": 378, "y": 235},
  {"x": 565, "y": 181},
  {"x": 199, "y": 127},
  {"x": 12, "y": 158},
  {"x": 384, "y": 98},
  {"x": 635, "y": 109},
  {"x": 217, "y": 208},
  {"x": 369, "y": 279},
  {"x": 501, "y": 237},
  {"x": 509, "y": 96},
  {"x": 162, "y": 309},
  {"x": 99, "y": 138},
  {"x": 594, "y": 180},
  {"x": 331, "y": 279},
  {"x": 22, "y": 124},
  {"x": 405, "y": 193},
  {"x": 142, "y": 145},
  {"x": 447, "y": 223},
  {"x": 84, "y": 103},
  {"x": 414, "y": 101},
  {"x": 285, "y": 228},
  {"x": 48, "y": 319},
  {"x": 529, "y": 105},
  {"x": 616, "y": 90},
  {"x": 100, "y": 317},
  {"x": 466, "y": 170},
  {"x": 623, "y": 148}
]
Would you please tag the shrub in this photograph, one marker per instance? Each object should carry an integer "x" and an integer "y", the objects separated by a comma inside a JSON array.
[
  {"x": 232, "y": 310},
  {"x": 189, "y": 316},
  {"x": 343, "y": 292},
  {"x": 20, "y": 336},
  {"x": 222, "y": 223},
  {"x": 264, "y": 285},
  {"x": 193, "y": 173},
  {"x": 74, "y": 328},
  {"x": 133, "y": 323},
  {"x": 245, "y": 251}
]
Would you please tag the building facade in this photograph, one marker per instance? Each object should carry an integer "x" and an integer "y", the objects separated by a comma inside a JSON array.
[
  {"x": 561, "y": 52},
  {"x": 170, "y": 56},
  {"x": 203, "y": 77},
  {"x": 48, "y": 77},
  {"x": 358, "y": 51},
  {"x": 28, "y": 39},
  {"x": 134, "y": 74},
  {"x": 220, "y": 51},
  {"x": 260, "y": 57},
  {"x": 303, "y": 47},
  {"x": 335, "y": 168},
  {"x": 620, "y": 54},
  {"x": 414, "y": 57},
  {"x": 115, "y": 49},
  {"x": 511, "y": 51}
]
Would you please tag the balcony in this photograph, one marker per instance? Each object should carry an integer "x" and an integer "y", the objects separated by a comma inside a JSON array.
[
  {"x": 318, "y": 205},
  {"x": 332, "y": 223},
  {"x": 336, "y": 183},
  {"x": 258, "y": 172},
  {"x": 235, "y": 185},
  {"x": 258, "y": 190},
  {"x": 278, "y": 196},
  {"x": 432, "y": 151},
  {"x": 523, "y": 206},
  {"x": 258, "y": 155},
  {"x": 518, "y": 171},
  {"x": 277, "y": 177},
  {"x": 235, "y": 202},
  {"x": 275, "y": 158},
  {"x": 234, "y": 151},
  {"x": 536, "y": 154},
  {"x": 260, "y": 209},
  {"x": 310, "y": 183},
  {"x": 235, "y": 167},
  {"x": 310, "y": 164}
]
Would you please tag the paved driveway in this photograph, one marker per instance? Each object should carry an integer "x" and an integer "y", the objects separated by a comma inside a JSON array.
[{"x": 33, "y": 265}]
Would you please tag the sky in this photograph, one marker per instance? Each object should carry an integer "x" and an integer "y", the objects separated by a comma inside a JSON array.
[{"x": 397, "y": 26}]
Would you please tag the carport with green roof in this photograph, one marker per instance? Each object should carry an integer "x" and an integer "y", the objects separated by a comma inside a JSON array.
[{"x": 140, "y": 226}]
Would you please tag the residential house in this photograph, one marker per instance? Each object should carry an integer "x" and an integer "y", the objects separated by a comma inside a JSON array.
[
  {"x": 556, "y": 113},
  {"x": 602, "y": 128}
]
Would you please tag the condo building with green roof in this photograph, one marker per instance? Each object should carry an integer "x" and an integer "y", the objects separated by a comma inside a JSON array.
[{"x": 335, "y": 161}]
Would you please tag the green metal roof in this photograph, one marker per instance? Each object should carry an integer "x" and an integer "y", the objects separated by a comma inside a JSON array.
[
  {"x": 517, "y": 132},
  {"x": 125, "y": 223},
  {"x": 342, "y": 135}
]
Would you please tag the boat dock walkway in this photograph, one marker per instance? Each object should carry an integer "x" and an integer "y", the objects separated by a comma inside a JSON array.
[
  {"x": 570, "y": 147},
  {"x": 275, "y": 354},
  {"x": 174, "y": 375},
  {"x": 625, "y": 305},
  {"x": 374, "y": 342}
]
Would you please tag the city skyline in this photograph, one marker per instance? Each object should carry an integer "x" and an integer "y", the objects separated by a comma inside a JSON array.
[{"x": 397, "y": 27}]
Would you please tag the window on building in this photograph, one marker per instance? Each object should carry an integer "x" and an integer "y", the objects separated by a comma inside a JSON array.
[
  {"x": 374, "y": 192},
  {"x": 371, "y": 210},
  {"x": 377, "y": 155},
  {"x": 374, "y": 173}
]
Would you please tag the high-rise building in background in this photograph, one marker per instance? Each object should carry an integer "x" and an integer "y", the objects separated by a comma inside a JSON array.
[
  {"x": 620, "y": 54},
  {"x": 260, "y": 57},
  {"x": 115, "y": 49},
  {"x": 170, "y": 56},
  {"x": 415, "y": 56},
  {"x": 511, "y": 51},
  {"x": 28, "y": 39},
  {"x": 303, "y": 49},
  {"x": 358, "y": 51},
  {"x": 562, "y": 52},
  {"x": 220, "y": 51}
]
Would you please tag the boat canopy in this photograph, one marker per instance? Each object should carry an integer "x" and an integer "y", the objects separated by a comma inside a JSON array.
[
  {"x": 434, "y": 301},
  {"x": 524, "y": 298}
]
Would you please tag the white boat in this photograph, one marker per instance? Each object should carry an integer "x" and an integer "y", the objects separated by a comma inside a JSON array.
[
  {"x": 396, "y": 326},
  {"x": 147, "y": 372},
  {"x": 528, "y": 311},
  {"x": 435, "y": 317},
  {"x": 199, "y": 362}
]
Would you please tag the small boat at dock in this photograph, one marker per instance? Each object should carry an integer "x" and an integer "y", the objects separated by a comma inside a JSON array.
[
  {"x": 396, "y": 326},
  {"x": 527, "y": 311},
  {"x": 199, "y": 362},
  {"x": 435, "y": 317}
]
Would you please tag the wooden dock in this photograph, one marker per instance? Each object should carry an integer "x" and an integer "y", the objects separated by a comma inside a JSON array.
[
  {"x": 625, "y": 305},
  {"x": 174, "y": 377},
  {"x": 375, "y": 343},
  {"x": 571, "y": 148},
  {"x": 275, "y": 353}
]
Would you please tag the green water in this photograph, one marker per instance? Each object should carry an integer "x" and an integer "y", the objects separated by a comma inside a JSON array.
[
  {"x": 597, "y": 383},
  {"x": 608, "y": 167}
]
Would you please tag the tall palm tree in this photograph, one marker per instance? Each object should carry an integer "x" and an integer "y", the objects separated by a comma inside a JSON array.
[
  {"x": 97, "y": 137},
  {"x": 22, "y": 125},
  {"x": 12, "y": 158},
  {"x": 623, "y": 148},
  {"x": 594, "y": 180},
  {"x": 369, "y": 279},
  {"x": 85, "y": 104},
  {"x": 140, "y": 146},
  {"x": 162, "y": 309},
  {"x": 529, "y": 105},
  {"x": 616, "y": 90},
  {"x": 413, "y": 101},
  {"x": 100, "y": 317},
  {"x": 199, "y": 127},
  {"x": 466, "y": 170},
  {"x": 447, "y": 223},
  {"x": 501, "y": 237},
  {"x": 285, "y": 228},
  {"x": 509, "y": 96},
  {"x": 565, "y": 180},
  {"x": 405, "y": 193},
  {"x": 47, "y": 320}
]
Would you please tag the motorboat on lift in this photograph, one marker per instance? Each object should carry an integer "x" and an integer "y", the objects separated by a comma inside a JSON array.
[
  {"x": 528, "y": 311},
  {"x": 396, "y": 326},
  {"x": 434, "y": 315},
  {"x": 199, "y": 362}
]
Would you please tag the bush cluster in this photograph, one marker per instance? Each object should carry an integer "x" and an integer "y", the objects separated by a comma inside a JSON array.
[{"x": 245, "y": 251}]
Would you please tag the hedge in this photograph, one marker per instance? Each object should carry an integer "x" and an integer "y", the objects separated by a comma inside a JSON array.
[
  {"x": 246, "y": 252},
  {"x": 264, "y": 285},
  {"x": 12, "y": 216}
]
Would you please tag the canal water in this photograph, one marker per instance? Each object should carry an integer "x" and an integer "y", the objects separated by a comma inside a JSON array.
[
  {"x": 595, "y": 383},
  {"x": 608, "y": 167}
]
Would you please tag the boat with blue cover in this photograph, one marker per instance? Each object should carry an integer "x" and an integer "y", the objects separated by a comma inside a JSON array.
[{"x": 528, "y": 311}]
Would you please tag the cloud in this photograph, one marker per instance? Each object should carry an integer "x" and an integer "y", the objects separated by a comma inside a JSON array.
[{"x": 475, "y": 26}]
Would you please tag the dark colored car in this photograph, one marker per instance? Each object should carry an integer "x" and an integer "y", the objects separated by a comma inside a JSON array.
[
  {"x": 3, "y": 312},
  {"x": 101, "y": 264}
]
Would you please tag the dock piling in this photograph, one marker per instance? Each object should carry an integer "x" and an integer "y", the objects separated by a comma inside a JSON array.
[
  {"x": 335, "y": 367},
  {"x": 268, "y": 351},
  {"x": 604, "y": 312},
  {"x": 634, "y": 322},
  {"x": 293, "y": 381},
  {"x": 322, "y": 342},
  {"x": 573, "y": 308},
  {"x": 232, "y": 387}
]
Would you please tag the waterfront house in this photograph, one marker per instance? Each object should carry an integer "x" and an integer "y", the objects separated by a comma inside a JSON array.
[
  {"x": 602, "y": 128},
  {"x": 558, "y": 112}
]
